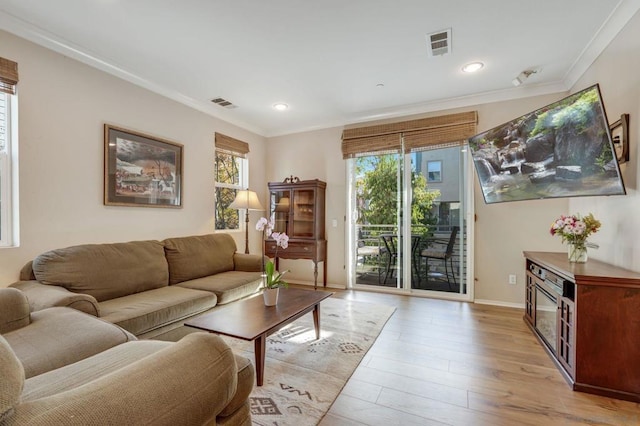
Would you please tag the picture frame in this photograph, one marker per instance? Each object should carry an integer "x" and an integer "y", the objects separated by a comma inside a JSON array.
[
  {"x": 620, "y": 137},
  {"x": 141, "y": 170}
]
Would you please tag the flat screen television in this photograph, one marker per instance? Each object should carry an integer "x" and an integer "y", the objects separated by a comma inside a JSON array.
[{"x": 564, "y": 149}]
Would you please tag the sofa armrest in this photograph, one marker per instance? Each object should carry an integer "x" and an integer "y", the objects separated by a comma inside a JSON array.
[
  {"x": 14, "y": 310},
  {"x": 248, "y": 262},
  {"x": 188, "y": 383},
  {"x": 43, "y": 296},
  {"x": 26, "y": 273}
]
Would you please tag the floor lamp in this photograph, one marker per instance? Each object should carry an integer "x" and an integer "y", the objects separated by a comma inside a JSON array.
[{"x": 246, "y": 200}]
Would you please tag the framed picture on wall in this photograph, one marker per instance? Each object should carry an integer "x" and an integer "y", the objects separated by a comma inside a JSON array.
[{"x": 141, "y": 170}]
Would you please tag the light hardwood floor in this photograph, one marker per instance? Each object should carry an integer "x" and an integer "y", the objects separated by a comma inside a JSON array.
[{"x": 450, "y": 363}]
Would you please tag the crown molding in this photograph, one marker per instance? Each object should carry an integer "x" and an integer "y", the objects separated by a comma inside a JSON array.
[
  {"x": 612, "y": 26},
  {"x": 43, "y": 38}
]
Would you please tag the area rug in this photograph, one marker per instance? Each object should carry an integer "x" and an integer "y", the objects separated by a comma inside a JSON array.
[{"x": 303, "y": 376}]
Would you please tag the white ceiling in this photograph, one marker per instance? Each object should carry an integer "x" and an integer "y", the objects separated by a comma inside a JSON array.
[{"x": 325, "y": 58}]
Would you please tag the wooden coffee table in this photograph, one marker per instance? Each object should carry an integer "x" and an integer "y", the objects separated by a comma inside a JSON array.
[{"x": 249, "y": 319}]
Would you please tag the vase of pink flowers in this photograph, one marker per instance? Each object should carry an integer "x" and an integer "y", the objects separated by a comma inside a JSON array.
[
  {"x": 575, "y": 230},
  {"x": 272, "y": 279}
]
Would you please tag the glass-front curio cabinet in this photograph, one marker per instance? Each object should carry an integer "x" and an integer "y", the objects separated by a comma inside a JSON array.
[{"x": 297, "y": 208}]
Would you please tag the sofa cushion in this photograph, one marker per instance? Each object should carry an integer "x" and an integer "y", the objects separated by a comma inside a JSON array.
[
  {"x": 82, "y": 372},
  {"x": 142, "y": 312},
  {"x": 105, "y": 271},
  {"x": 199, "y": 256},
  {"x": 14, "y": 310},
  {"x": 60, "y": 336},
  {"x": 228, "y": 286},
  {"x": 183, "y": 383},
  {"x": 12, "y": 375}
]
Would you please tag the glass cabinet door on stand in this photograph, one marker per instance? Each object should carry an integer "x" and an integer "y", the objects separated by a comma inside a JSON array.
[
  {"x": 298, "y": 209},
  {"x": 280, "y": 205}
]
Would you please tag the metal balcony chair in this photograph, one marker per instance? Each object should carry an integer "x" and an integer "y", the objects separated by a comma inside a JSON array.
[
  {"x": 390, "y": 246},
  {"x": 366, "y": 250},
  {"x": 443, "y": 251}
]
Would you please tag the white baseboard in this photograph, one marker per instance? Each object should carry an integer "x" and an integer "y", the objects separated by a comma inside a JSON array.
[
  {"x": 499, "y": 303},
  {"x": 310, "y": 283}
]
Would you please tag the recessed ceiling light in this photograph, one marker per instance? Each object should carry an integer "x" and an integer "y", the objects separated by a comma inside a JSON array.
[
  {"x": 380, "y": 85},
  {"x": 473, "y": 67},
  {"x": 280, "y": 106}
]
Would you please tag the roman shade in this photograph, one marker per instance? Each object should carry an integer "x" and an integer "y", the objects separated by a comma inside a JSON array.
[
  {"x": 8, "y": 76},
  {"x": 418, "y": 134},
  {"x": 232, "y": 146}
]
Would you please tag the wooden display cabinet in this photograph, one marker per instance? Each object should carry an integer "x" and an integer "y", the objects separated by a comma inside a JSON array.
[
  {"x": 594, "y": 334},
  {"x": 298, "y": 209}
]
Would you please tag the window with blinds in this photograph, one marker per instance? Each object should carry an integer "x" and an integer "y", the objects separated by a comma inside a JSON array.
[
  {"x": 6, "y": 225},
  {"x": 8, "y": 157},
  {"x": 231, "y": 174}
]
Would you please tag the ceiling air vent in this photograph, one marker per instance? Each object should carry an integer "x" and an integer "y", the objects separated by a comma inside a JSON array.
[
  {"x": 223, "y": 103},
  {"x": 439, "y": 43}
]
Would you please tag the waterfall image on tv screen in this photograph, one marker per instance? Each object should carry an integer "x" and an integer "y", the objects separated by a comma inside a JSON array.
[{"x": 561, "y": 150}]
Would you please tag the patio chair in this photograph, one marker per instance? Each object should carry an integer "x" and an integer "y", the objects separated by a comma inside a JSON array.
[
  {"x": 443, "y": 251},
  {"x": 366, "y": 250}
]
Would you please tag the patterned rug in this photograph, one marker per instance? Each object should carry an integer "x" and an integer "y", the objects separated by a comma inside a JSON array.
[{"x": 303, "y": 376}]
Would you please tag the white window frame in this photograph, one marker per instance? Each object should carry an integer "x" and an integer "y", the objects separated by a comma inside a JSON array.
[
  {"x": 242, "y": 184},
  {"x": 429, "y": 180},
  {"x": 9, "y": 172}
]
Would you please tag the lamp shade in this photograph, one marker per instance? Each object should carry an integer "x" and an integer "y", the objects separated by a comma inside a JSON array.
[
  {"x": 246, "y": 199},
  {"x": 283, "y": 204}
]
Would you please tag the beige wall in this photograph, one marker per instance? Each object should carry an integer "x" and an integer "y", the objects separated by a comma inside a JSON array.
[
  {"x": 502, "y": 231},
  {"x": 63, "y": 105},
  {"x": 616, "y": 70},
  {"x": 315, "y": 155}
]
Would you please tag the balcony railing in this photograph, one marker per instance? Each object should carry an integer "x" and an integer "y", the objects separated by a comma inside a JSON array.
[{"x": 373, "y": 256}]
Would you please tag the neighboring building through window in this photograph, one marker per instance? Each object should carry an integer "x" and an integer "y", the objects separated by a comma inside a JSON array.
[
  {"x": 434, "y": 171},
  {"x": 8, "y": 154},
  {"x": 231, "y": 175}
]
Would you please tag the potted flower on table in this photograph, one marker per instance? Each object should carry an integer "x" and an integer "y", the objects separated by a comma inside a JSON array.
[
  {"x": 575, "y": 230},
  {"x": 272, "y": 279}
]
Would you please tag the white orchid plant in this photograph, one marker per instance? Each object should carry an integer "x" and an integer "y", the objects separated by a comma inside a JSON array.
[{"x": 273, "y": 278}]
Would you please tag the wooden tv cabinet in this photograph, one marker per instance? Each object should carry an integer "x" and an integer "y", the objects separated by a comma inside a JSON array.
[{"x": 597, "y": 323}]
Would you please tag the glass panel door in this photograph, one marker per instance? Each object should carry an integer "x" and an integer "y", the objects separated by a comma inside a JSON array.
[
  {"x": 438, "y": 220},
  {"x": 376, "y": 216}
]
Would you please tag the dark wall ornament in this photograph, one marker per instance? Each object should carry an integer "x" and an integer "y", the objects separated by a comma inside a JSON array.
[{"x": 620, "y": 136}]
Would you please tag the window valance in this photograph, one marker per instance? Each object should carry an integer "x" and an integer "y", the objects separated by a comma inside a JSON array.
[
  {"x": 231, "y": 145},
  {"x": 8, "y": 76},
  {"x": 418, "y": 134}
]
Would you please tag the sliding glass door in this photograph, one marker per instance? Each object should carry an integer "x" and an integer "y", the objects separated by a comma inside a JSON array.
[
  {"x": 440, "y": 255},
  {"x": 425, "y": 249},
  {"x": 376, "y": 218}
]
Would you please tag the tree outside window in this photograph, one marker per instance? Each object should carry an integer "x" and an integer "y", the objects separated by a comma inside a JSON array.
[
  {"x": 377, "y": 187},
  {"x": 229, "y": 175}
]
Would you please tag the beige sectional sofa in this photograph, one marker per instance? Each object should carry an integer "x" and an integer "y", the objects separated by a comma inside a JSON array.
[
  {"x": 59, "y": 366},
  {"x": 149, "y": 288}
]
